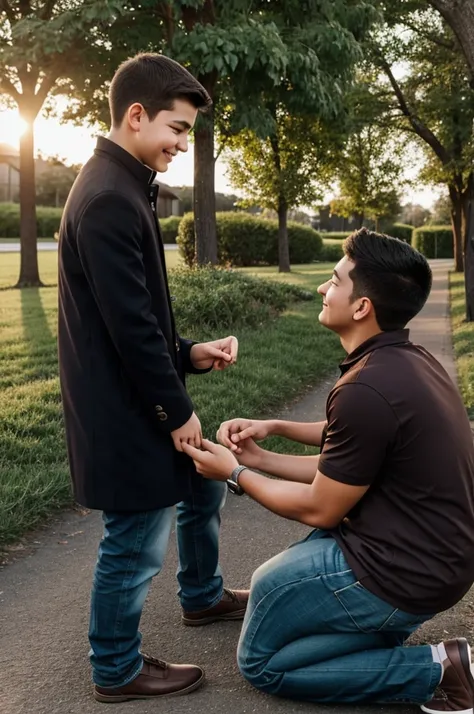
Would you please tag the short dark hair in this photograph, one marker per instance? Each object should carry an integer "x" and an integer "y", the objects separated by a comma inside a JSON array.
[
  {"x": 392, "y": 274},
  {"x": 155, "y": 81}
]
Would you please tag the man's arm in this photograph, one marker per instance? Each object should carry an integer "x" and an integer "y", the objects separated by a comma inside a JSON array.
[
  {"x": 109, "y": 247},
  {"x": 301, "y": 469},
  {"x": 362, "y": 427}
]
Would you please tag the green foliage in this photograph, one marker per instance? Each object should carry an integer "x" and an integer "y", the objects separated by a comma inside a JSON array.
[
  {"x": 400, "y": 230},
  {"x": 47, "y": 220},
  {"x": 243, "y": 239},
  {"x": 169, "y": 228},
  {"x": 463, "y": 341},
  {"x": 208, "y": 298},
  {"x": 342, "y": 235},
  {"x": 331, "y": 252},
  {"x": 434, "y": 241}
]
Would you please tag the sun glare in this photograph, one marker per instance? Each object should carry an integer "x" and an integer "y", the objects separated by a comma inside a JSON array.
[{"x": 11, "y": 128}]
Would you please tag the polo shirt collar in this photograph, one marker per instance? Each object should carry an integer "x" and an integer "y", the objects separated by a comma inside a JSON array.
[
  {"x": 142, "y": 173},
  {"x": 383, "y": 339}
]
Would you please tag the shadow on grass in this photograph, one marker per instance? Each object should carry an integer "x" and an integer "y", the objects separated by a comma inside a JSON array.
[{"x": 39, "y": 340}]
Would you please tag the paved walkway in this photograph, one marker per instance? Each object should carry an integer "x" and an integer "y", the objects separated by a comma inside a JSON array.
[
  {"x": 44, "y": 599},
  {"x": 52, "y": 245}
]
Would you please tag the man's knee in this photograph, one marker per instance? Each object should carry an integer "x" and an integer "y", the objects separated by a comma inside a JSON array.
[{"x": 255, "y": 671}]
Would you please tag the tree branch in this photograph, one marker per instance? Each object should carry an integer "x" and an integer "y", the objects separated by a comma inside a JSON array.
[
  {"x": 47, "y": 11},
  {"x": 47, "y": 83},
  {"x": 418, "y": 126},
  {"x": 429, "y": 36},
  {"x": 8, "y": 10}
]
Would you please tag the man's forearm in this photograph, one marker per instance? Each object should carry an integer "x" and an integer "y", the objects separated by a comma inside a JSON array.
[
  {"x": 309, "y": 433},
  {"x": 301, "y": 469},
  {"x": 290, "y": 500}
]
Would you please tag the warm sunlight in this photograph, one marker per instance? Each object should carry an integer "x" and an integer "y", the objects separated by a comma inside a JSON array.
[{"x": 11, "y": 127}]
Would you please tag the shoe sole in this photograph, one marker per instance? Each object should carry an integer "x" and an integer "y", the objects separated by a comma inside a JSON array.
[
  {"x": 190, "y": 622},
  {"x": 113, "y": 699},
  {"x": 465, "y": 654}
]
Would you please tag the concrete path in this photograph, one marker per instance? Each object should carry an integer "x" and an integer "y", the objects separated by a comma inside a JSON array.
[
  {"x": 52, "y": 245},
  {"x": 44, "y": 598}
]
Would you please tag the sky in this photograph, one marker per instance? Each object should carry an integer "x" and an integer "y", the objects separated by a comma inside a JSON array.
[{"x": 75, "y": 144}]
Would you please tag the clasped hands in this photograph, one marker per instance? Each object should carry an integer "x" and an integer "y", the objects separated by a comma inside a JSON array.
[{"x": 237, "y": 445}]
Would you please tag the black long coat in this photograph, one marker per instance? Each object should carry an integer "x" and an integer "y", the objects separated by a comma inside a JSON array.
[{"x": 121, "y": 361}]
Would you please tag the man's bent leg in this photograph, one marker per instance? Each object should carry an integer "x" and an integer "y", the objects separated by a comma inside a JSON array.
[
  {"x": 131, "y": 552},
  {"x": 198, "y": 521},
  {"x": 313, "y": 632}
]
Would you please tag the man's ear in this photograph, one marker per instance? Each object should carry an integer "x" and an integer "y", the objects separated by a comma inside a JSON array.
[
  {"x": 364, "y": 309},
  {"x": 134, "y": 116}
]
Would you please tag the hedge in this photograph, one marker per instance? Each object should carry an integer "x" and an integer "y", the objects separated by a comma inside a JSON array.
[
  {"x": 400, "y": 230},
  {"x": 208, "y": 298},
  {"x": 331, "y": 252},
  {"x": 434, "y": 241},
  {"x": 336, "y": 236},
  {"x": 169, "y": 228},
  {"x": 243, "y": 239},
  {"x": 396, "y": 230},
  {"x": 47, "y": 220}
]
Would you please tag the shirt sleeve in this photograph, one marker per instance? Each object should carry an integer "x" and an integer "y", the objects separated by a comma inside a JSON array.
[
  {"x": 109, "y": 247},
  {"x": 361, "y": 429}
]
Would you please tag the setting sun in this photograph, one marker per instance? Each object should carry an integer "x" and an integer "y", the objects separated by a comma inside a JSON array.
[{"x": 11, "y": 127}]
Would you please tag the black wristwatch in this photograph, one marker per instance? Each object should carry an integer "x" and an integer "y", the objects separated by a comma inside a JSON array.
[{"x": 233, "y": 481}]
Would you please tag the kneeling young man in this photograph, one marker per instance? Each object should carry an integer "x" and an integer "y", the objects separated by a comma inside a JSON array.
[{"x": 391, "y": 498}]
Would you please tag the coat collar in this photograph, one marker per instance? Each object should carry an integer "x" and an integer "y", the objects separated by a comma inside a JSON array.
[
  {"x": 383, "y": 339},
  {"x": 142, "y": 173}
]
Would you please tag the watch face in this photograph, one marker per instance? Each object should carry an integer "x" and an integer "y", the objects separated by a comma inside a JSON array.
[{"x": 234, "y": 487}]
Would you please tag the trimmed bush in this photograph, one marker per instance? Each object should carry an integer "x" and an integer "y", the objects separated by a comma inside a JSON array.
[
  {"x": 243, "y": 240},
  {"x": 434, "y": 241},
  {"x": 331, "y": 252},
  {"x": 400, "y": 230},
  {"x": 169, "y": 228},
  {"x": 47, "y": 220},
  {"x": 336, "y": 236},
  {"x": 207, "y": 298}
]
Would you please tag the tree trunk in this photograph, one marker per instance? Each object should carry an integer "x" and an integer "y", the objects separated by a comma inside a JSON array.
[
  {"x": 204, "y": 197},
  {"x": 469, "y": 258},
  {"x": 283, "y": 245},
  {"x": 460, "y": 17},
  {"x": 29, "y": 273},
  {"x": 457, "y": 224}
]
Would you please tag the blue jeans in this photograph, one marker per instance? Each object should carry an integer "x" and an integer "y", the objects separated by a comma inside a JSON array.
[
  {"x": 313, "y": 632},
  {"x": 131, "y": 552}
]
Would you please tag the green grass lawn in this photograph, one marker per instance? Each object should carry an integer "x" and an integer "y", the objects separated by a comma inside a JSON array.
[
  {"x": 463, "y": 342},
  {"x": 277, "y": 363}
]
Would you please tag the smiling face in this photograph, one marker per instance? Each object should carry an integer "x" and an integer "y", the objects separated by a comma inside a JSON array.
[
  {"x": 155, "y": 142},
  {"x": 341, "y": 312}
]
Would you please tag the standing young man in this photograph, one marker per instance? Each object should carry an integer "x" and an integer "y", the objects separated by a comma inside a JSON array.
[
  {"x": 391, "y": 497},
  {"x": 122, "y": 366}
]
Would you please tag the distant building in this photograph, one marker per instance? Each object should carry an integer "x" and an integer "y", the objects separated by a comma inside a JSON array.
[
  {"x": 168, "y": 202},
  {"x": 9, "y": 174}
]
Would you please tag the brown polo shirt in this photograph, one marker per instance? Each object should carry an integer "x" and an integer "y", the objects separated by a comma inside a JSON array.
[{"x": 396, "y": 422}]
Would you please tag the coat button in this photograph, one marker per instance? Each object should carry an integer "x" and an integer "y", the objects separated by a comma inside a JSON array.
[
  {"x": 158, "y": 408},
  {"x": 162, "y": 416}
]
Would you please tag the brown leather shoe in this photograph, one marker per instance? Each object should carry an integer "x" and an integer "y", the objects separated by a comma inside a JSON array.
[
  {"x": 231, "y": 606},
  {"x": 157, "y": 679},
  {"x": 457, "y": 685}
]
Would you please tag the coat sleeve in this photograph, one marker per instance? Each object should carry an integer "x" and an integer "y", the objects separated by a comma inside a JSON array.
[
  {"x": 185, "y": 347},
  {"x": 109, "y": 247}
]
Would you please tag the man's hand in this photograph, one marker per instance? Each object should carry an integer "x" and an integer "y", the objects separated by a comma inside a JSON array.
[
  {"x": 214, "y": 461},
  {"x": 233, "y": 432},
  {"x": 189, "y": 433},
  {"x": 218, "y": 354}
]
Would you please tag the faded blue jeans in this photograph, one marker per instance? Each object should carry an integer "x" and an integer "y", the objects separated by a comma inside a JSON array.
[
  {"x": 131, "y": 552},
  {"x": 313, "y": 632}
]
